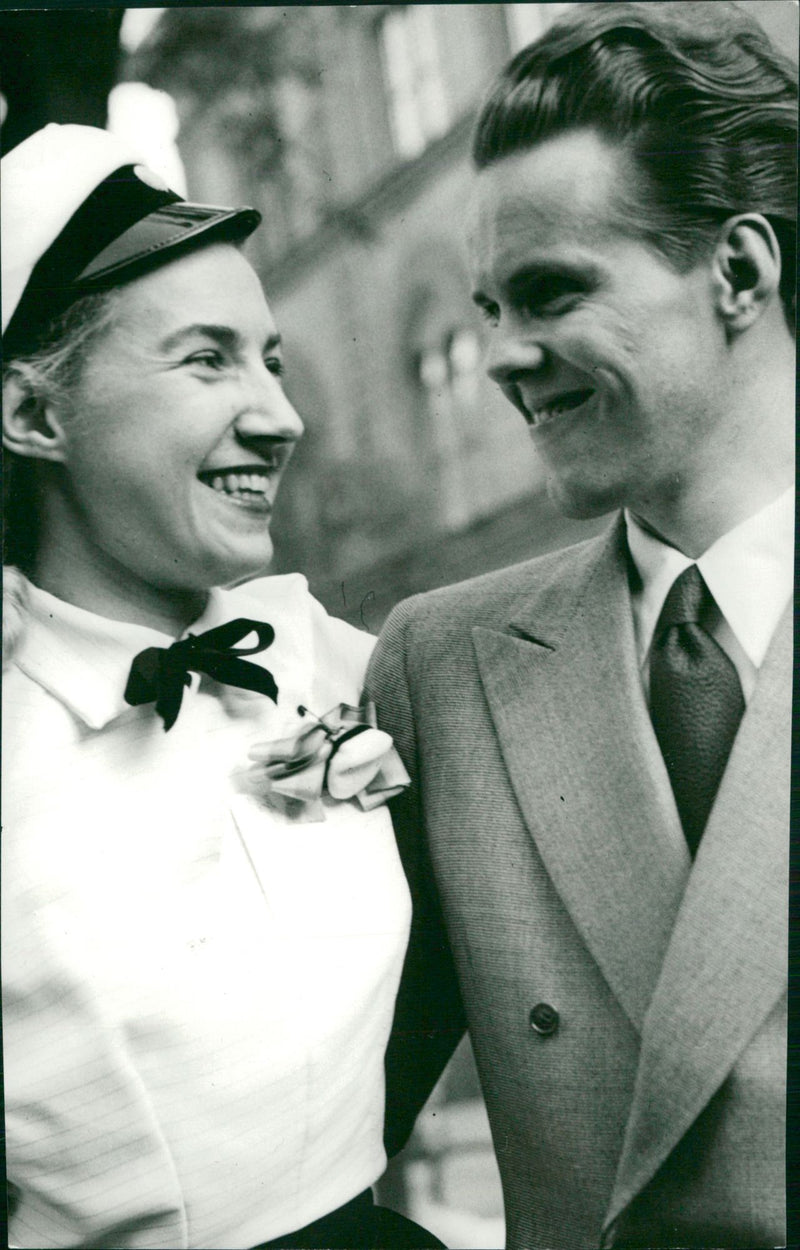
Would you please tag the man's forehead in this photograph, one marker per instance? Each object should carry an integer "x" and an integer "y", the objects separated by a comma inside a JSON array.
[{"x": 565, "y": 191}]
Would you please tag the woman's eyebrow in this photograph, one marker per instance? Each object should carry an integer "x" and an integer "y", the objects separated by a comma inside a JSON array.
[{"x": 224, "y": 335}]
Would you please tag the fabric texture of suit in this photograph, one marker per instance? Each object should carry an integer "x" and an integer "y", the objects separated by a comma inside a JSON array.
[{"x": 655, "y": 1114}]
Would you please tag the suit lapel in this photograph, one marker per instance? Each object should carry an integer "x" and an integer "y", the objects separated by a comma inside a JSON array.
[
  {"x": 726, "y": 965},
  {"x": 564, "y": 691}
]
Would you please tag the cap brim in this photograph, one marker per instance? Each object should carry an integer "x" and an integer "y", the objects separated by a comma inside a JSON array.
[{"x": 167, "y": 231}]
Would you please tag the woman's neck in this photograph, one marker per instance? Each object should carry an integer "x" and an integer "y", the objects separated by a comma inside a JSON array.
[{"x": 110, "y": 591}]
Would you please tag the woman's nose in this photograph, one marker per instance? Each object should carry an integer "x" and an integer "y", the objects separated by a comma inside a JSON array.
[{"x": 269, "y": 411}]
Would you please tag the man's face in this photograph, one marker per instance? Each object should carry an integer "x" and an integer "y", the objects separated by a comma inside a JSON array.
[
  {"x": 180, "y": 430},
  {"x": 615, "y": 360}
]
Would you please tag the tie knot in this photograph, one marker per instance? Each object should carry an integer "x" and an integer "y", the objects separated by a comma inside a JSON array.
[{"x": 686, "y": 602}]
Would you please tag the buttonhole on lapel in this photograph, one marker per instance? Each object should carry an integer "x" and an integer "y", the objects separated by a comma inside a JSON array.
[{"x": 523, "y": 633}]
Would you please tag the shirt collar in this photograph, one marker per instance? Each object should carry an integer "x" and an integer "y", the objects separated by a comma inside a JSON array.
[
  {"x": 749, "y": 571},
  {"x": 84, "y": 659},
  {"x": 79, "y": 657}
]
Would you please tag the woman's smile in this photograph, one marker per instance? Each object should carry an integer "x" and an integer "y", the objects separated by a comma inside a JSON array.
[{"x": 251, "y": 487}]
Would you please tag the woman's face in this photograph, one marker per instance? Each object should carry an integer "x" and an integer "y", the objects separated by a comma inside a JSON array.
[{"x": 179, "y": 431}]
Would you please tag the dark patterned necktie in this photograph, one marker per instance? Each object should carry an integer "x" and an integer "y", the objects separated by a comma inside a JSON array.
[
  {"x": 160, "y": 674},
  {"x": 696, "y": 701}
]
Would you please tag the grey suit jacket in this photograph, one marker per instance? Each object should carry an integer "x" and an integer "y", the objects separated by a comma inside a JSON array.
[{"x": 655, "y": 1114}]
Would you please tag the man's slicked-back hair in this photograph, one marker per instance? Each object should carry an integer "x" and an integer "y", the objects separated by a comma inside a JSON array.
[{"x": 694, "y": 91}]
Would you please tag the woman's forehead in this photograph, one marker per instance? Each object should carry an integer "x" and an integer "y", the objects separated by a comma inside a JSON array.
[{"x": 213, "y": 285}]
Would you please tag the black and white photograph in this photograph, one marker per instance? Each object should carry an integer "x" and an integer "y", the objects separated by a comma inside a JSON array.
[{"x": 399, "y": 539}]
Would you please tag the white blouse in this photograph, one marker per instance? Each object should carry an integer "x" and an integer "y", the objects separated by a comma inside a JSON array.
[{"x": 198, "y": 990}]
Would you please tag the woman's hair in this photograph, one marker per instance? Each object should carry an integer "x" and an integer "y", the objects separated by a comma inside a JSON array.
[
  {"x": 50, "y": 370},
  {"x": 695, "y": 92}
]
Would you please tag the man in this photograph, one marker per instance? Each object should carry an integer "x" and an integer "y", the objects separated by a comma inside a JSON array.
[{"x": 600, "y": 738}]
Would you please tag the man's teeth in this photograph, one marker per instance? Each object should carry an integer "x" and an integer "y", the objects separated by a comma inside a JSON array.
[
  {"x": 239, "y": 483},
  {"x": 565, "y": 403}
]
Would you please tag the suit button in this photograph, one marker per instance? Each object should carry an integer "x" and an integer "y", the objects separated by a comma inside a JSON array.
[{"x": 544, "y": 1019}]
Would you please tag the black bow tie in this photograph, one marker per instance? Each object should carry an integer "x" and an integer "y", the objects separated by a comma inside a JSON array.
[{"x": 159, "y": 674}]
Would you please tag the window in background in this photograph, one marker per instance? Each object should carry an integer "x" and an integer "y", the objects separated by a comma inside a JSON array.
[
  {"x": 464, "y": 356},
  {"x": 448, "y": 372},
  {"x": 418, "y": 108}
]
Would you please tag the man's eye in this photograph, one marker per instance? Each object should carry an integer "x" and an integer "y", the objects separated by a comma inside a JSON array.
[
  {"x": 275, "y": 365},
  {"x": 548, "y": 298},
  {"x": 490, "y": 313},
  {"x": 208, "y": 358}
]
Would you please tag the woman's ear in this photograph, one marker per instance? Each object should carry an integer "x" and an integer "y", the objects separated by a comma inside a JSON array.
[
  {"x": 31, "y": 424},
  {"x": 746, "y": 267}
]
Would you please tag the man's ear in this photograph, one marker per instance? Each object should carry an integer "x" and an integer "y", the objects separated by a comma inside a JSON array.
[
  {"x": 746, "y": 268},
  {"x": 31, "y": 424}
]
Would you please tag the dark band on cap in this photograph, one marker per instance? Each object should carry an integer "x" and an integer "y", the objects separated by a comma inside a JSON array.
[{"x": 126, "y": 227}]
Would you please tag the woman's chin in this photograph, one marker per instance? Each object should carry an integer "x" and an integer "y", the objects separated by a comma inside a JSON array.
[
  {"x": 217, "y": 570},
  {"x": 242, "y": 567}
]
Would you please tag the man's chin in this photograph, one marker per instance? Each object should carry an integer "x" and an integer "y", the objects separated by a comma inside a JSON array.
[{"x": 581, "y": 501}]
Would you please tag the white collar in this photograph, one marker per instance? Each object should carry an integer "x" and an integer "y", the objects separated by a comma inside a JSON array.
[
  {"x": 749, "y": 571},
  {"x": 84, "y": 659}
]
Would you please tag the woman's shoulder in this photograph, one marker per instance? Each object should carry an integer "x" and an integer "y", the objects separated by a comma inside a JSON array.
[
  {"x": 39, "y": 733},
  {"x": 26, "y": 704},
  {"x": 15, "y": 608}
]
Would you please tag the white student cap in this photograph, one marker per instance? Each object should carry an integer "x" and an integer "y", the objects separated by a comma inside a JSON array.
[{"x": 80, "y": 213}]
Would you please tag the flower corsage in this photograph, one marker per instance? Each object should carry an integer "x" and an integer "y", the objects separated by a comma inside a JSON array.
[{"x": 342, "y": 756}]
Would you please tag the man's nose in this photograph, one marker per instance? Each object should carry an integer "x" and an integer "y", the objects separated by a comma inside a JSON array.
[{"x": 512, "y": 355}]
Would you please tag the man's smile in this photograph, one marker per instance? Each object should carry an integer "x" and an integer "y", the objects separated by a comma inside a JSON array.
[{"x": 541, "y": 412}]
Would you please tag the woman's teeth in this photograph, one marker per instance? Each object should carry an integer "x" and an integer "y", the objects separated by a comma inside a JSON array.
[{"x": 239, "y": 485}]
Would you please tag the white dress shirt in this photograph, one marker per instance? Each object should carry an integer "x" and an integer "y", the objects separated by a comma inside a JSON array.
[
  {"x": 198, "y": 990},
  {"x": 749, "y": 572}
]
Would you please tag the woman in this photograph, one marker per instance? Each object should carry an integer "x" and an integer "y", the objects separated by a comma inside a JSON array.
[{"x": 204, "y": 916}]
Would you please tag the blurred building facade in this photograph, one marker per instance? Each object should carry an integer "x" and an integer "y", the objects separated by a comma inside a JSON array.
[{"x": 349, "y": 127}]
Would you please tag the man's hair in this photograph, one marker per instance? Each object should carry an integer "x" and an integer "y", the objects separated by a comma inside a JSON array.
[{"x": 694, "y": 91}]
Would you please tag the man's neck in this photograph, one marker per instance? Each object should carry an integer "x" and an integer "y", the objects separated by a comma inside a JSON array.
[{"x": 696, "y": 526}]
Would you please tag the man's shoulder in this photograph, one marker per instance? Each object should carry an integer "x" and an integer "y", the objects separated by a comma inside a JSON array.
[{"x": 492, "y": 596}]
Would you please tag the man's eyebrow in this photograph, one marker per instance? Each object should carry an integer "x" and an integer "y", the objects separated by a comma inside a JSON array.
[
  {"x": 575, "y": 273},
  {"x": 226, "y": 336}
]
